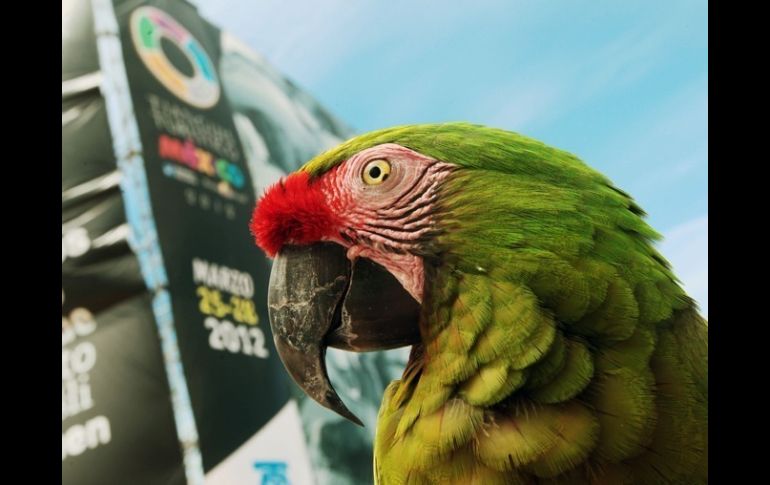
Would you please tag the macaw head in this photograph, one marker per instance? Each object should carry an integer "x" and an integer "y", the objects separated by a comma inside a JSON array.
[{"x": 360, "y": 232}]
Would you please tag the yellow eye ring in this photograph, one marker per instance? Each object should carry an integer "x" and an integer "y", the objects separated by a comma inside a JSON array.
[{"x": 376, "y": 172}]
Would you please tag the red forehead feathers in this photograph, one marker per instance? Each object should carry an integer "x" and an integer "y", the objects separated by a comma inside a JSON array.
[{"x": 293, "y": 211}]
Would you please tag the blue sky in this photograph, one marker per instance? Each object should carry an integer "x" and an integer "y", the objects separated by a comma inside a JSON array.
[{"x": 623, "y": 85}]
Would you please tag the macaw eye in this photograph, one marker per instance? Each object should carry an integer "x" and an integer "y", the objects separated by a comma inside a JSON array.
[{"x": 376, "y": 172}]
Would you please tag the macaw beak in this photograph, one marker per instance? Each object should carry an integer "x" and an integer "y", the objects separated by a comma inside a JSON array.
[{"x": 318, "y": 299}]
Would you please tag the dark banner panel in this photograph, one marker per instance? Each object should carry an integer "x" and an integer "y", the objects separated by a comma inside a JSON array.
[{"x": 117, "y": 421}]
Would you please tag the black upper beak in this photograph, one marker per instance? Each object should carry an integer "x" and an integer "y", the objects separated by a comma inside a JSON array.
[{"x": 317, "y": 298}]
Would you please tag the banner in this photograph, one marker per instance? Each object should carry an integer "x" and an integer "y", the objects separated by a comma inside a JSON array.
[
  {"x": 202, "y": 195},
  {"x": 117, "y": 422}
]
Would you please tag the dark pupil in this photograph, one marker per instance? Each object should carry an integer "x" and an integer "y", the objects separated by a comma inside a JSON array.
[{"x": 374, "y": 172}]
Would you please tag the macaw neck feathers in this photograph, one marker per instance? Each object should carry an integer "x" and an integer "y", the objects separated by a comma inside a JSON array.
[{"x": 503, "y": 388}]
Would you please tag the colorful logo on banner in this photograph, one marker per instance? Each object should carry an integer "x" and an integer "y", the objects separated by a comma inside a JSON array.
[{"x": 149, "y": 26}]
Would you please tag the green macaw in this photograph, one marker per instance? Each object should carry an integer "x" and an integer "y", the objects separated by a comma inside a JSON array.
[{"x": 551, "y": 342}]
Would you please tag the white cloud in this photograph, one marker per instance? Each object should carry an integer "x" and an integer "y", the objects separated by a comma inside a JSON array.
[{"x": 686, "y": 246}]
